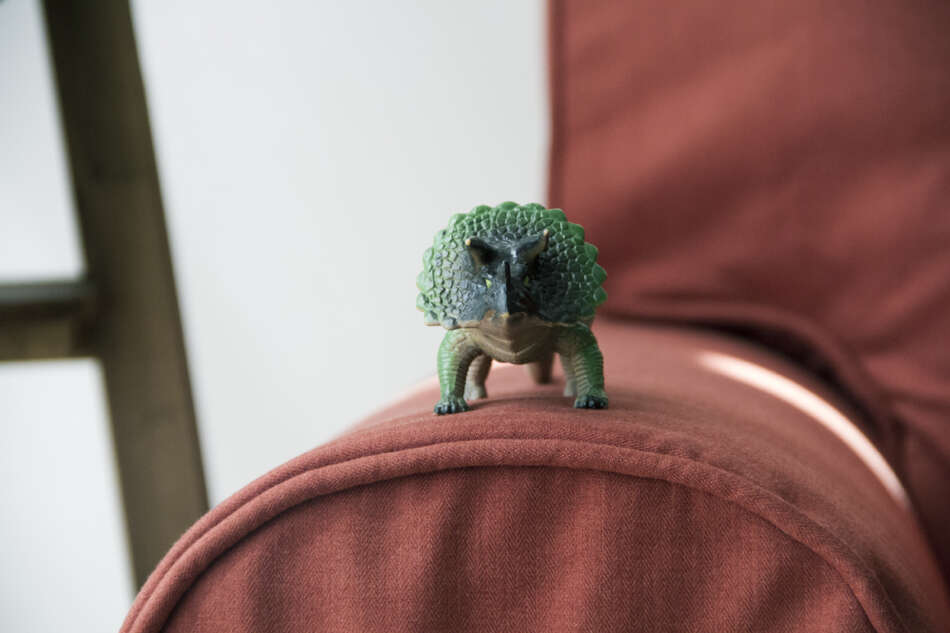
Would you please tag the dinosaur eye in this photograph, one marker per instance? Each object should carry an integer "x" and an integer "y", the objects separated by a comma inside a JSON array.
[{"x": 488, "y": 283}]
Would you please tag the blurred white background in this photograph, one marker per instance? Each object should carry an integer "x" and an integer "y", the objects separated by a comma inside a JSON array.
[{"x": 308, "y": 152}]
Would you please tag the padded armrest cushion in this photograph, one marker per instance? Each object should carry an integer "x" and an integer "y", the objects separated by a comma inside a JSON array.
[{"x": 696, "y": 502}]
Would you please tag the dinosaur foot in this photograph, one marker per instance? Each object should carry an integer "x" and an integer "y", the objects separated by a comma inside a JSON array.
[
  {"x": 452, "y": 404},
  {"x": 594, "y": 400}
]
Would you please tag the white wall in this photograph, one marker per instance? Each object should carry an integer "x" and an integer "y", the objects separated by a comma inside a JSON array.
[
  {"x": 38, "y": 236},
  {"x": 64, "y": 557},
  {"x": 308, "y": 153}
]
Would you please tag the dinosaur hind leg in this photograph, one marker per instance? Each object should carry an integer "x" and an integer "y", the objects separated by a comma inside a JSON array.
[
  {"x": 570, "y": 383},
  {"x": 540, "y": 370},
  {"x": 477, "y": 373}
]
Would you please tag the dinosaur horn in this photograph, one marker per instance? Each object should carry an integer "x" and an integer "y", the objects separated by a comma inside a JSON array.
[
  {"x": 480, "y": 250},
  {"x": 531, "y": 248}
]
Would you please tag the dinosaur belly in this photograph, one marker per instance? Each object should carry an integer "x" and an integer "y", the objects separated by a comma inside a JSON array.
[{"x": 513, "y": 339}]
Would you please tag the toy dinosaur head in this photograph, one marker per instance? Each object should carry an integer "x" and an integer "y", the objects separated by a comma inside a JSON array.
[
  {"x": 507, "y": 266},
  {"x": 509, "y": 260}
]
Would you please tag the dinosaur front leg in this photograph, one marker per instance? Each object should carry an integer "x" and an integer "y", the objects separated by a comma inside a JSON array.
[
  {"x": 456, "y": 353},
  {"x": 579, "y": 352}
]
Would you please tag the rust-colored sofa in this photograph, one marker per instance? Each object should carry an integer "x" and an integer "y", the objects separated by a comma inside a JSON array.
[{"x": 769, "y": 184}]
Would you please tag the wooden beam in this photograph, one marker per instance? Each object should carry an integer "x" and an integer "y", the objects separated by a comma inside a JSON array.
[
  {"x": 45, "y": 320},
  {"x": 137, "y": 334}
]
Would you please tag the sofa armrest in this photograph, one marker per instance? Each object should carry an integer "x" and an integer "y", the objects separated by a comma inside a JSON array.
[{"x": 700, "y": 500}]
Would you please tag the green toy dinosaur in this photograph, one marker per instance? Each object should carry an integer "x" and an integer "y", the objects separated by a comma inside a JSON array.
[{"x": 516, "y": 283}]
